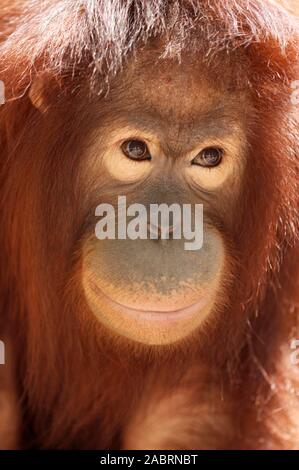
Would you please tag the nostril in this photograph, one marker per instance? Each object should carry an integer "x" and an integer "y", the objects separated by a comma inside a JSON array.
[{"x": 160, "y": 231}]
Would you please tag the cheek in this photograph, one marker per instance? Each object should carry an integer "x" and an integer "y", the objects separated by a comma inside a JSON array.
[
  {"x": 211, "y": 179},
  {"x": 153, "y": 291},
  {"x": 121, "y": 168}
]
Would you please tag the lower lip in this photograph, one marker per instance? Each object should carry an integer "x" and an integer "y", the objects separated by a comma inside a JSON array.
[{"x": 154, "y": 316}]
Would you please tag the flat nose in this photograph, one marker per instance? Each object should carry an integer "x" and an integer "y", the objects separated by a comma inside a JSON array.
[{"x": 161, "y": 231}]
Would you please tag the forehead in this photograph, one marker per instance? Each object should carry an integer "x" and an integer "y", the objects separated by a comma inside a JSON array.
[
  {"x": 168, "y": 86},
  {"x": 177, "y": 99}
]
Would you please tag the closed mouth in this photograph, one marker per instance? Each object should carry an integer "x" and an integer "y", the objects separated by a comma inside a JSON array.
[{"x": 152, "y": 315}]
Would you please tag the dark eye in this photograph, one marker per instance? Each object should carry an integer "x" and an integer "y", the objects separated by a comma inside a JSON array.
[
  {"x": 136, "y": 150},
  {"x": 209, "y": 157}
]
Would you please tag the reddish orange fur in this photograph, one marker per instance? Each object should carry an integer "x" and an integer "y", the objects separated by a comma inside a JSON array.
[{"x": 78, "y": 387}]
